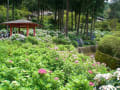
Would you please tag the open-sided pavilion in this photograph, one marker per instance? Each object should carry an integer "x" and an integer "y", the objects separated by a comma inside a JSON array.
[{"x": 21, "y": 24}]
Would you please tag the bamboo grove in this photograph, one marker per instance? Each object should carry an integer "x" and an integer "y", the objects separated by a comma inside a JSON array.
[{"x": 81, "y": 14}]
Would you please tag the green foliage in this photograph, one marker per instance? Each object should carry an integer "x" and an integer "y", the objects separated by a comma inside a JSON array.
[
  {"x": 89, "y": 42},
  {"x": 108, "y": 80},
  {"x": 114, "y": 11},
  {"x": 66, "y": 47},
  {"x": 109, "y": 60},
  {"x": 2, "y": 14},
  {"x": 32, "y": 40},
  {"x": 78, "y": 83},
  {"x": 20, "y": 63},
  {"x": 75, "y": 43},
  {"x": 110, "y": 45},
  {"x": 108, "y": 25},
  {"x": 19, "y": 14},
  {"x": 64, "y": 41},
  {"x": 103, "y": 26},
  {"x": 109, "y": 50},
  {"x": 49, "y": 23},
  {"x": 116, "y": 33},
  {"x": 100, "y": 34},
  {"x": 18, "y": 37}
]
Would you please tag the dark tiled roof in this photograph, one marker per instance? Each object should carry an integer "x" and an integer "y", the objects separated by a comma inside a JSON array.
[{"x": 18, "y": 21}]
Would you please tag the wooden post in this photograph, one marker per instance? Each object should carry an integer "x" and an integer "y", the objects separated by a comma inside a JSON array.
[
  {"x": 10, "y": 30},
  {"x": 19, "y": 31},
  {"x": 34, "y": 33},
  {"x": 27, "y": 30}
]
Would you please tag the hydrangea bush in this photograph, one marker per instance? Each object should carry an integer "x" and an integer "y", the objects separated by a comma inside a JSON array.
[
  {"x": 18, "y": 37},
  {"x": 109, "y": 81},
  {"x": 36, "y": 65}
]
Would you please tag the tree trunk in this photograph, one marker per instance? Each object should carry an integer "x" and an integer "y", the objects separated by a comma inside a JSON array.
[
  {"x": 75, "y": 20},
  {"x": 72, "y": 20},
  {"x": 81, "y": 32},
  {"x": 87, "y": 25},
  {"x": 91, "y": 30},
  {"x": 38, "y": 11},
  {"x": 84, "y": 28},
  {"x": 55, "y": 15},
  {"x": 62, "y": 20},
  {"x": 94, "y": 24},
  {"x": 43, "y": 14},
  {"x": 58, "y": 19},
  {"x": 7, "y": 12},
  {"x": 13, "y": 10},
  {"x": 78, "y": 24},
  {"x": 61, "y": 12},
  {"x": 67, "y": 18}
]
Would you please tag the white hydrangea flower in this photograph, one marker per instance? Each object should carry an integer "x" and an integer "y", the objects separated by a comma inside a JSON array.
[
  {"x": 118, "y": 69},
  {"x": 107, "y": 87},
  {"x": 118, "y": 87},
  {"x": 117, "y": 74},
  {"x": 103, "y": 76},
  {"x": 15, "y": 83}
]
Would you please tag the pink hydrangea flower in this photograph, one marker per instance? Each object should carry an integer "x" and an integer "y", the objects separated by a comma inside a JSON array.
[
  {"x": 42, "y": 71},
  {"x": 10, "y": 61},
  {"x": 50, "y": 71},
  {"x": 56, "y": 48},
  {"x": 92, "y": 56},
  {"x": 76, "y": 61},
  {"x": 90, "y": 72},
  {"x": 104, "y": 64},
  {"x": 93, "y": 64},
  {"x": 56, "y": 78},
  {"x": 56, "y": 58},
  {"x": 27, "y": 60},
  {"x": 98, "y": 63},
  {"x": 91, "y": 84},
  {"x": 64, "y": 60}
]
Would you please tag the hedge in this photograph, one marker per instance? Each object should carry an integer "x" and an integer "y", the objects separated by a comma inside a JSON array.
[{"x": 112, "y": 62}]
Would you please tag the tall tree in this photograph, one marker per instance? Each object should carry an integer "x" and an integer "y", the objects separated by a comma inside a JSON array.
[{"x": 67, "y": 17}]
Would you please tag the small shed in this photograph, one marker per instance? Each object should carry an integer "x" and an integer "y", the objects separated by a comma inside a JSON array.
[{"x": 21, "y": 24}]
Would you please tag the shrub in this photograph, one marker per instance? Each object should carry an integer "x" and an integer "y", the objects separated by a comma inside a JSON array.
[
  {"x": 89, "y": 42},
  {"x": 78, "y": 83},
  {"x": 18, "y": 37},
  {"x": 103, "y": 26},
  {"x": 109, "y": 60},
  {"x": 66, "y": 47},
  {"x": 75, "y": 43},
  {"x": 108, "y": 81},
  {"x": 32, "y": 40},
  {"x": 64, "y": 40},
  {"x": 20, "y": 64},
  {"x": 116, "y": 33},
  {"x": 110, "y": 45}
]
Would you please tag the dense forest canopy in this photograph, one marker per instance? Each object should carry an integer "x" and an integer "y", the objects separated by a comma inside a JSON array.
[{"x": 67, "y": 15}]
